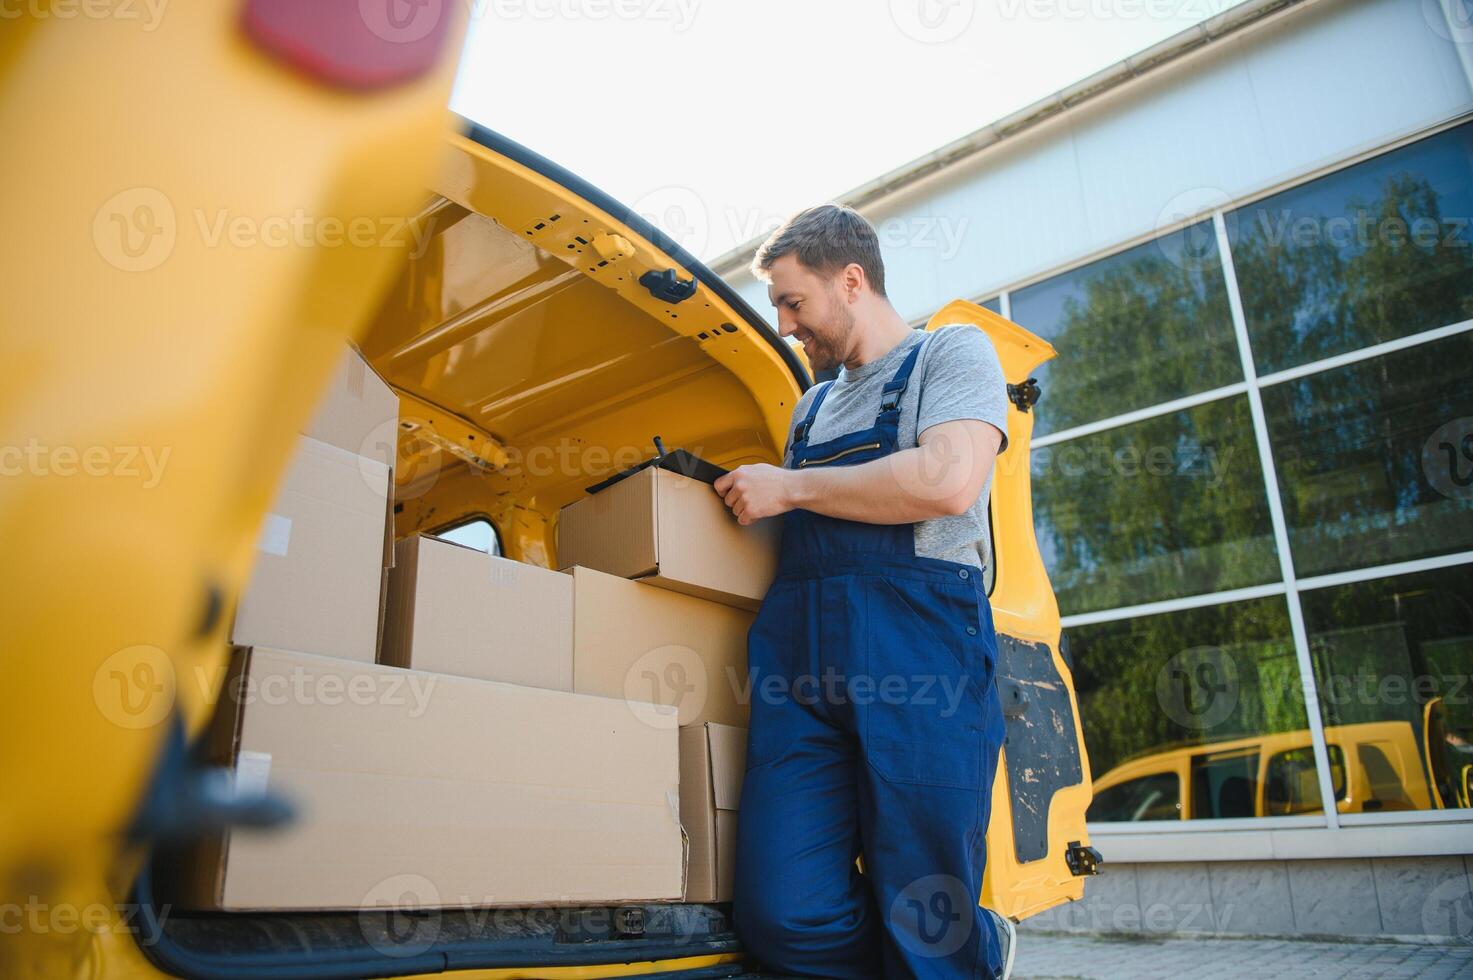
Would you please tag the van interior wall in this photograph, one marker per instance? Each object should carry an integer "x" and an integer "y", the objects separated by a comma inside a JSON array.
[{"x": 571, "y": 380}]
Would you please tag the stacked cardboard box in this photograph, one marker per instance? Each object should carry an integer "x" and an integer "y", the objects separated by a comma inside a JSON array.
[
  {"x": 458, "y": 729},
  {"x": 673, "y": 630}
]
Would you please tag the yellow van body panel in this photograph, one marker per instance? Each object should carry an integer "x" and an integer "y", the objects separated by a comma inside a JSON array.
[
  {"x": 1024, "y": 607},
  {"x": 160, "y": 347}
]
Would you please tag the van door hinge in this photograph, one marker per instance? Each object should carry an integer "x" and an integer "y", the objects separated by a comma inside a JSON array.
[
  {"x": 1025, "y": 395},
  {"x": 1082, "y": 860}
]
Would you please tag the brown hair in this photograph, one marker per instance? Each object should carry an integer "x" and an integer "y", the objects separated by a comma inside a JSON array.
[{"x": 826, "y": 239}]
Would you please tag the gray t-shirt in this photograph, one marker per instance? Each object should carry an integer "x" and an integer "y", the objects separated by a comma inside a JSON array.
[{"x": 957, "y": 376}]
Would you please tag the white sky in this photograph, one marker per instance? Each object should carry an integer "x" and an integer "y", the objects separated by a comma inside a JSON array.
[{"x": 717, "y": 118}]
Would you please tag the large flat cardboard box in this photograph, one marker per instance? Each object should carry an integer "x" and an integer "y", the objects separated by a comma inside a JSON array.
[
  {"x": 320, "y": 558},
  {"x": 435, "y": 791},
  {"x": 456, "y": 610},
  {"x": 642, "y": 643},
  {"x": 359, "y": 412},
  {"x": 713, "y": 759},
  {"x": 669, "y": 530}
]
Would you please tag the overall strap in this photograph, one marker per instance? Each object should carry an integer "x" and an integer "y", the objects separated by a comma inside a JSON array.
[
  {"x": 895, "y": 387},
  {"x": 800, "y": 434}
]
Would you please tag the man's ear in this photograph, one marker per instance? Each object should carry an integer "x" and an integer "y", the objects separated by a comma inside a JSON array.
[{"x": 854, "y": 281}]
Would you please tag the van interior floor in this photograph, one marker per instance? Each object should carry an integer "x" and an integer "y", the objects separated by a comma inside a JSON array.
[{"x": 386, "y": 943}]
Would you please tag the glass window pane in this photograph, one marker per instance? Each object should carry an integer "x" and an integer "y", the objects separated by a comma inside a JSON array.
[
  {"x": 1183, "y": 711},
  {"x": 1392, "y": 660},
  {"x": 1166, "y": 507},
  {"x": 477, "y": 534},
  {"x": 994, "y": 304},
  {"x": 1375, "y": 459},
  {"x": 1147, "y": 798},
  {"x": 1133, "y": 330},
  {"x": 1370, "y": 253}
]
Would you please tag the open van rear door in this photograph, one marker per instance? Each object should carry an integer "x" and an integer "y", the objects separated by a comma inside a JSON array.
[{"x": 1038, "y": 849}]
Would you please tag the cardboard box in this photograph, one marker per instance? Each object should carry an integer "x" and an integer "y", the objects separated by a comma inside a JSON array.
[
  {"x": 713, "y": 759},
  {"x": 641, "y": 643},
  {"x": 456, "y": 610},
  {"x": 434, "y": 791},
  {"x": 320, "y": 559},
  {"x": 359, "y": 412},
  {"x": 669, "y": 530}
]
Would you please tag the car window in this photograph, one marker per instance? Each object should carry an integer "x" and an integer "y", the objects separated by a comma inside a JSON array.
[
  {"x": 475, "y": 533},
  {"x": 1224, "y": 785},
  {"x": 1154, "y": 797},
  {"x": 1292, "y": 783}
]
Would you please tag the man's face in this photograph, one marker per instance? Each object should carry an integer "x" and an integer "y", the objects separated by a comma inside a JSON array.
[{"x": 811, "y": 307}]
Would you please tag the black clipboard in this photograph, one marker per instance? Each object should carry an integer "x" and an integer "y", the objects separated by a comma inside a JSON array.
[{"x": 676, "y": 461}]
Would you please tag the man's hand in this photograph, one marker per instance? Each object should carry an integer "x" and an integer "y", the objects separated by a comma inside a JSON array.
[{"x": 755, "y": 491}]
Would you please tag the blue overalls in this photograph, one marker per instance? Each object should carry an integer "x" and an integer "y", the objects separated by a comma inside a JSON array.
[{"x": 875, "y": 730}]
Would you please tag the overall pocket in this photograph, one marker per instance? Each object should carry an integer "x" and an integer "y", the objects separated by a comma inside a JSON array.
[{"x": 930, "y": 675}]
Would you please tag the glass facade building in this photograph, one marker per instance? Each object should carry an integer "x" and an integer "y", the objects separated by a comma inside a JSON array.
[{"x": 1253, "y": 488}]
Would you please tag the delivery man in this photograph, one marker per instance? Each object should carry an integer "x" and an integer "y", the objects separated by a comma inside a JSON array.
[{"x": 875, "y": 719}]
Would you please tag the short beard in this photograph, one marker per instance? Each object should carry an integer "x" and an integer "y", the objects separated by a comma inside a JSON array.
[{"x": 828, "y": 348}]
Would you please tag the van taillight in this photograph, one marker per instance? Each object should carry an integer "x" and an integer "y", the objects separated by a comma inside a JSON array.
[{"x": 358, "y": 44}]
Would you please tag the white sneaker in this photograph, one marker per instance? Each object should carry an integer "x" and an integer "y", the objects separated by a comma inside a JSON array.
[{"x": 1007, "y": 938}]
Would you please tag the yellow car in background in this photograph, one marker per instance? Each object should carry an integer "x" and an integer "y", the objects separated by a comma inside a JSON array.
[
  {"x": 1374, "y": 766},
  {"x": 164, "y": 305}
]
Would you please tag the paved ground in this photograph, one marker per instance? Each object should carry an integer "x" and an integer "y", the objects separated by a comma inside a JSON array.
[{"x": 1056, "y": 957}]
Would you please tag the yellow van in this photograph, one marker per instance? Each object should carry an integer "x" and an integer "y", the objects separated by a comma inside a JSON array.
[
  {"x": 511, "y": 305},
  {"x": 1374, "y": 767}
]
